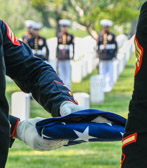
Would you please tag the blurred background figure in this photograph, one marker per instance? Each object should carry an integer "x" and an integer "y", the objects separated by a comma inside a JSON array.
[
  {"x": 107, "y": 51},
  {"x": 29, "y": 34},
  {"x": 64, "y": 54},
  {"x": 38, "y": 44}
]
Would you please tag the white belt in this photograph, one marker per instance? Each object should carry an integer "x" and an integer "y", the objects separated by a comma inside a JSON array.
[
  {"x": 107, "y": 47},
  {"x": 38, "y": 52},
  {"x": 66, "y": 47}
]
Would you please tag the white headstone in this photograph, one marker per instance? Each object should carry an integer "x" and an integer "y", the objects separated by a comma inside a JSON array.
[
  {"x": 52, "y": 45},
  {"x": 95, "y": 61},
  {"x": 20, "y": 105},
  {"x": 76, "y": 71},
  {"x": 83, "y": 99},
  {"x": 84, "y": 67},
  {"x": 121, "y": 59},
  {"x": 79, "y": 49},
  {"x": 90, "y": 65},
  {"x": 121, "y": 39},
  {"x": 53, "y": 63},
  {"x": 96, "y": 89},
  {"x": 115, "y": 70},
  {"x": 125, "y": 58}
]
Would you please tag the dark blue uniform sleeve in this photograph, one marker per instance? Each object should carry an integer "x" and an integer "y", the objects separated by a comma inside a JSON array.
[
  {"x": 137, "y": 118},
  {"x": 33, "y": 75}
]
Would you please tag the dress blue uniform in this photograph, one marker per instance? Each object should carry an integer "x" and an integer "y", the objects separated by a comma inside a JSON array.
[
  {"x": 107, "y": 49},
  {"x": 65, "y": 40},
  {"x": 134, "y": 143},
  {"x": 38, "y": 44},
  {"x": 31, "y": 74}
]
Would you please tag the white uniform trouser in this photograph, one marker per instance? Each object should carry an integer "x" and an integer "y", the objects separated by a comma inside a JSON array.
[
  {"x": 64, "y": 69},
  {"x": 106, "y": 69}
]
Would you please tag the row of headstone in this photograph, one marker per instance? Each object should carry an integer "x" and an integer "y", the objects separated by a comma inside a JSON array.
[
  {"x": 83, "y": 67},
  {"x": 85, "y": 55},
  {"x": 121, "y": 39},
  {"x": 86, "y": 64},
  {"x": 20, "y": 102},
  {"x": 123, "y": 56},
  {"x": 84, "y": 60}
]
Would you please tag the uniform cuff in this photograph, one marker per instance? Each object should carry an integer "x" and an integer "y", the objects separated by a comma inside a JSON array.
[{"x": 13, "y": 125}]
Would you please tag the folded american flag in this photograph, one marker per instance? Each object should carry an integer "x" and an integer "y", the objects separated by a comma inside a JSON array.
[{"x": 83, "y": 126}]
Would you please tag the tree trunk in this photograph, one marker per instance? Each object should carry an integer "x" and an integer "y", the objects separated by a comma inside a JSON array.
[{"x": 58, "y": 17}]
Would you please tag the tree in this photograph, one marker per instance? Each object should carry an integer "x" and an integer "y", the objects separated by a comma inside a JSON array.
[
  {"x": 15, "y": 14},
  {"x": 88, "y": 13}
]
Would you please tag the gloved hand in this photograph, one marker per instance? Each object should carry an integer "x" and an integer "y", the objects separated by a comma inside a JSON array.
[
  {"x": 26, "y": 132},
  {"x": 68, "y": 107}
]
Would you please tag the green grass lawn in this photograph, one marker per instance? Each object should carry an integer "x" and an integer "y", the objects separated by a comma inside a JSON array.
[{"x": 88, "y": 155}]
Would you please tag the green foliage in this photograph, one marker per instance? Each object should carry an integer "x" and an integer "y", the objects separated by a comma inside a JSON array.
[
  {"x": 120, "y": 12},
  {"x": 38, "y": 3},
  {"x": 16, "y": 12}
]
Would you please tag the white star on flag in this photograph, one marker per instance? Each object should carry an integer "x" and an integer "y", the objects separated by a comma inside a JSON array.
[
  {"x": 109, "y": 124},
  {"x": 44, "y": 136},
  {"x": 83, "y": 136},
  {"x": 122, "y": 134}
]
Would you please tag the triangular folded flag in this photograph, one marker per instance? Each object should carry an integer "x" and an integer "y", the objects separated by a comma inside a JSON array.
[{"x": 83, "y": 126}]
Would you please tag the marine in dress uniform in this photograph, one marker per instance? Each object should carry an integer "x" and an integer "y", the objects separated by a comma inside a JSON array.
[
  {"x": 134, "y": 143},
  {"x": 65, "y": 40},
  {"x": 107, "y": 50},
  {"x": 29, "y": 34},
  {"x": 38, "y": 44},
  {"x": 33, "y": 75}
]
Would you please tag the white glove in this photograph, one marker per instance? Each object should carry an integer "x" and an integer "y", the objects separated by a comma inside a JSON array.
[
  {"x": 68, "y": 107},
  {"x": 26, "y": 131}
]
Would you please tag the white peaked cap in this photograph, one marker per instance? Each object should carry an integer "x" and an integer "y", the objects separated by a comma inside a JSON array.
[
  {"x": 37, "y": 26},
  {"x": 106, "y": 23},
  {"x": 65, "y": 22},
  {"x": 29, "y": 23}
]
